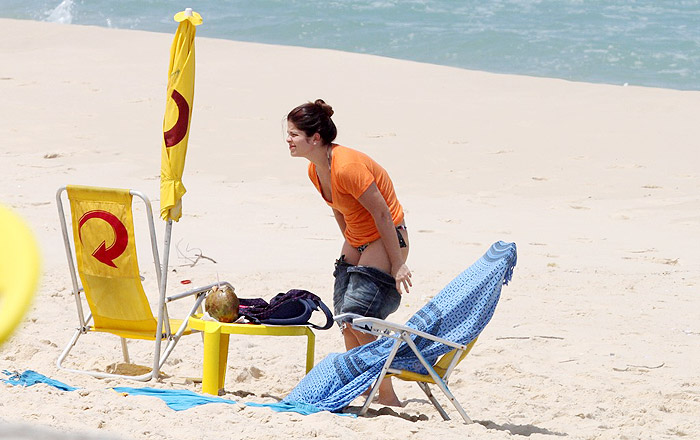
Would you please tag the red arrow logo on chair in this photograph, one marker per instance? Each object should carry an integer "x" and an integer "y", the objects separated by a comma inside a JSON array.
[
  {"x": 103, "y": 253},
  {"x": 179, "y": 130}
]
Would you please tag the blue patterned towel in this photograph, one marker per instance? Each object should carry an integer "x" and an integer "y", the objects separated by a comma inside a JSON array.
[{"x": 458, "y": 313}]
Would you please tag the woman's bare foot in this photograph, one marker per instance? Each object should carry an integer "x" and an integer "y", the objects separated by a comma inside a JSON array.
[
  {"x": 390, "y": 401},
  {"x": 387, "y": 396}
]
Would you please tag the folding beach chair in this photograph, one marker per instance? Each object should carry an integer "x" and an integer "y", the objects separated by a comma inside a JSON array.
[
  {"x": 426, "y": 349},
  {"x": 437, "y": 374},
  {"x": 106, "y": 262}
]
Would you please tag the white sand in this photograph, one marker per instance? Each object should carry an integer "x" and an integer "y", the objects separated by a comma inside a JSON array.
[{"x": 598, "y": 335}]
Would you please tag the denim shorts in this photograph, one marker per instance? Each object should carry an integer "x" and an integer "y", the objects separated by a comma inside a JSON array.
[{"x": 364, "y": 290}]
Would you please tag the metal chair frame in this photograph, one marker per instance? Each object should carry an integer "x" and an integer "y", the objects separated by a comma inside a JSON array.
[{"x": 403, "y": 334}]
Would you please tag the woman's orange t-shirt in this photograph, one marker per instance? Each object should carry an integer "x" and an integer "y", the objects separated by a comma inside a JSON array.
[{"x": 352, "y": 172}]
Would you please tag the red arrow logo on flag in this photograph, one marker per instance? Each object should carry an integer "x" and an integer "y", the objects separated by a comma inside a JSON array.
[
  {"x": 179, "y": 130},
  {"x": 105, "y": 254}
]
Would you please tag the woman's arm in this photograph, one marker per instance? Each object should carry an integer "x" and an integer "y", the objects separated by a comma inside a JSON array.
[{"x": 373, "y": 202}]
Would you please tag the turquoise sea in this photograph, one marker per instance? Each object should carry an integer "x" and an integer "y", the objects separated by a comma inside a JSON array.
[{"x": 638, "y": 42}]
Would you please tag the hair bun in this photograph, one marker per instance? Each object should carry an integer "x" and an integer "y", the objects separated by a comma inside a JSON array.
[{"x": 327, "y": 109}]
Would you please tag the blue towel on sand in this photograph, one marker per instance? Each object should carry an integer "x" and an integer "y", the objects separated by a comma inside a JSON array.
[
  {"x": 458, "y": 313},
  {"x": 175, "y": 399},
  {"x": 29, "y": 378}
]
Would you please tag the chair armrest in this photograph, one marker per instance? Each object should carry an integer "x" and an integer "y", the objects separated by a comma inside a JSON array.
[
  {"x": 375, "y": 325},
  {"x": 197, "y": 291},
  {"x": 346, "y": 317}
]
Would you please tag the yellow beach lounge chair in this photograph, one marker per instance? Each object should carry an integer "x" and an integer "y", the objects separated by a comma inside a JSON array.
[{"x": 102, "y": 226}]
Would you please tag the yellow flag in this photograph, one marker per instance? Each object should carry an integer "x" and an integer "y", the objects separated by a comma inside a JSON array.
[{"x": 178, "y": 112}]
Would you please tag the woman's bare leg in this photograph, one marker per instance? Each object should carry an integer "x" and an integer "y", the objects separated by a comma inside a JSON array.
[
  {"x": 354, "y": 338},
  {"x": 374, "y": 256}
]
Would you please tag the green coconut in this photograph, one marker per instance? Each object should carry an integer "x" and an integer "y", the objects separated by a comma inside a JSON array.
[{"x": 222, "y": 304}]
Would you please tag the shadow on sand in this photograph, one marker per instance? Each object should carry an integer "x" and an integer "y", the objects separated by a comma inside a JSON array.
[{"x": 525, "y": 430}]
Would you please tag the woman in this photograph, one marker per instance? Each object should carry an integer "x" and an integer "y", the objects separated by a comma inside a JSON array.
[{"x": 371, "y": 272}]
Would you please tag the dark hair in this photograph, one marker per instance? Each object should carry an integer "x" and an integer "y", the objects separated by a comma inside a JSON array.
[{"x": 314, "y": 117}]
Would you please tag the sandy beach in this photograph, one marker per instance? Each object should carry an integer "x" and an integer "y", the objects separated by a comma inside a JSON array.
[{"x": 596, "y": 337}]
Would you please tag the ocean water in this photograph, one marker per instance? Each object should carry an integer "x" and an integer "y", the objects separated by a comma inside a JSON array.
[{"x": 652, "y": 43}]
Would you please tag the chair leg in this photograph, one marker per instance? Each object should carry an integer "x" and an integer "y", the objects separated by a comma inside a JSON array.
[
  {"x": 424, "y": 386},
  {"x": 66, "y": 351},
  {"x": 438, "y": 381},
  {"x": 454, "y": 401},
  {"x": 125, "y": 351}
]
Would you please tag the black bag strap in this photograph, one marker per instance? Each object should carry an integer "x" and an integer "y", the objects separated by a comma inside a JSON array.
[
  {"x": 327, "y": 312},
  {"x": 318, "y": 305},
  {"x": 295, "y": 311},
  {"x": 260, "y": 312}
]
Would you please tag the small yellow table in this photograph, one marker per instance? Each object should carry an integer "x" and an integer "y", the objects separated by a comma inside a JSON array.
[{"x": 216, "y": 337}]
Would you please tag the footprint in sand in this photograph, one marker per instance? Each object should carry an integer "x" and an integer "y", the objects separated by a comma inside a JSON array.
[
  {"x": 643, "y": 251},
  {"x": 620, "y": 217},
  {"x": 666, "y": 261},
  {"x": 381, "y": 135}
]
